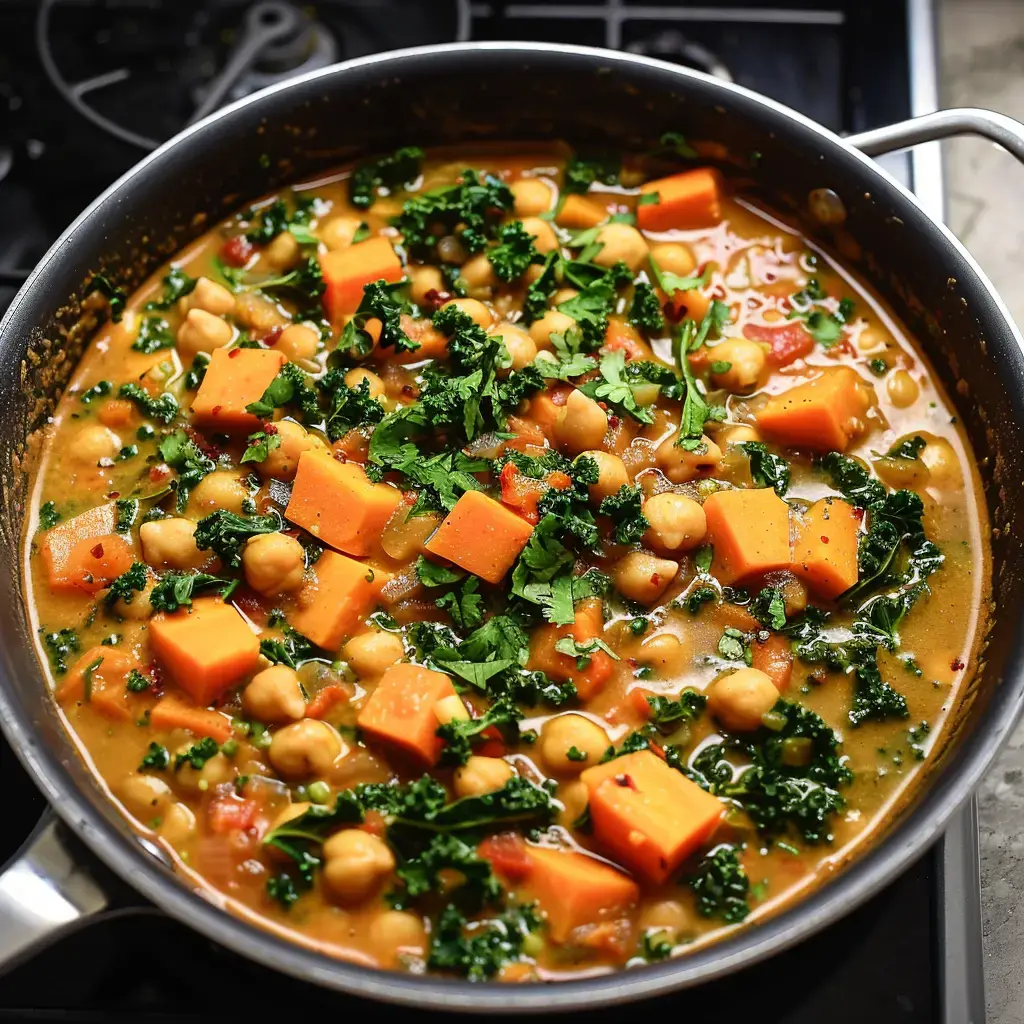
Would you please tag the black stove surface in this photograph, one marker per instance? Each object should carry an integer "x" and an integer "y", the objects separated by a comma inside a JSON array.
[{"x": 107, "y": 80}]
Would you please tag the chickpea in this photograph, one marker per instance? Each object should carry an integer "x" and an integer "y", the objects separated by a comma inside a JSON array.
[
  {"x": 677, "y": 523},
  {"x": 202, "y": 332},
  {"x": 552, "y": 322},
  {"x": 532, "y": 197},
  {"x": 565, "y": 732},
  {"x": 581, "y": 423},
  {"x": 621, "y": 242},
  {"x": 669, "y": 915},
  {"x": 282, "y": 252},
  {"x": 739, "y": 434},
  {"x": 170, "y": 544},
  {"x": 298, "y": 342},
  {"x": 356, "y": 376},
  {"x": 872, "y": 339},
  {"x": 252, "y": 310},
  {"x": 95, "y": 442},
  {"x": 450, "y": 709},
  {"x": 520, "y": 346},
  {"x": 274, "y": 563},
  {"x": 478, "y": 273},
  {"x": 422, "y": 281},
  {"x": 680, "y": 465},
  {"x": 395, "y": 932},
  {"x": 674, "y": 258},
  {"x": 544, "y": 238},
  {"x": 372, "y": 654},
  {"x": 177, "y": 824},
  {"x": 642, "y": 577},
  {"x": 283, "y": 460},
  {"x": 746, "y": 361},
  {"x": 574, "y": 797},
  {"x": 611, "y": 474},
  {"x": 903, "y": 390},
  {"x": 214, "y": 771},
  {"x": 563, "y": 295},
  {"x": 220, "y": 489},
  {"x": 274, "y": 696},
  {"x": 305, "y": 749},
  {"x": 209, "y": 296},
  {"x": 944, "y": 470},
  {"x": 740, "y": 699},
  {"x": 664, "y": 651},
  {"x": 338, "y": 232},
  {"x": 474, "y": 309},
  {"x": 480, "y": 775},
  {"x": 139, "y": 608},
  {"x": 144, "y": 796},
  {"x": 355, "y": 863}
]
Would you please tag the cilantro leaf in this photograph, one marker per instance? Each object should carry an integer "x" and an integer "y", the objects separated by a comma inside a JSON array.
[
  {"x": 177, "y": 284},
  {"x": 259, "y": 445},
  {"x": 174, "y": 590}
]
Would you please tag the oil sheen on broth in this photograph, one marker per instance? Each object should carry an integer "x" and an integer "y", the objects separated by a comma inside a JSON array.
[{"x": 504, "y": 564}]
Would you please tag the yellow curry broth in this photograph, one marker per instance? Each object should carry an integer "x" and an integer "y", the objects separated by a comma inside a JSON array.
[{"x": 214, "y": 818}]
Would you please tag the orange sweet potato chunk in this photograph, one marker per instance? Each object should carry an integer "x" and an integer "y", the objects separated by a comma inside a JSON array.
[
  {"x": 648, "y": 816},
  {"x": 347, "y": 271},
  {"x": 338, "y": 505},
  {"x": 99, "y": 678},
  {"x": 85, "y": 553},
  {"x": 400, "y": 711},
  {"x": 481, "y": 536},
  {"x": 561, "y": 667},
  {"x": 749, "y": 530},
  {"x": 575, "y": 890},
  {"x": 822, "y": 414},
  {"x": 173, "y": 713},
  {"x": 335, "y": 600},
  {"x": 579, "y": 212},
  {"x": 206, "y": 650},
  {"x": 690, "y": 200},
  {"x": 825, "y": 553},
  {"x": 234, "y": 379}
]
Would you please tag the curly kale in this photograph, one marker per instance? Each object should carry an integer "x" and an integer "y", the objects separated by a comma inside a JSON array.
[
  {"x": 645, "y": 311},
  {"x": 125, "y": 587},
  {"x": 290, "y": 387},
  {"x": 625, "y": 509},
  {"x": 721, "y": 885},
  {"x": 766, "y": 468},
  {"x": 381, "y": 302},
  {"x": 393, "y": 171},
  {"x": 176, "y": 589},
  {"x": 182, "y": 453},
  {"x": 349, "y": 407},
  {"x": 225, "y": 533},
  {"x": 514, "y": 252},
  {"x": 480, "y": 951}
]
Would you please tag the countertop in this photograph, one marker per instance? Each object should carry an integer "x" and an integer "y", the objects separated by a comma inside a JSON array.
[{"x": 981, "y": 45}]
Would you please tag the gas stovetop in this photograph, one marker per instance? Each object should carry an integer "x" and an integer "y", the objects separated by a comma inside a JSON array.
[{"x": 90, "y": 87}]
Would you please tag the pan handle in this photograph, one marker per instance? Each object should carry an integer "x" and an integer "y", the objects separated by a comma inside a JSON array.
[
  {"x": 46, "y": 890},
  {"x": 943, "y": 124}
]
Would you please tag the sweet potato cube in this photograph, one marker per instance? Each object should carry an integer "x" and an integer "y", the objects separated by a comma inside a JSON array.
[
  {"x": 347, "y": 271},
  {"x": 206, "y": 650},
  {"x": 578, "y": 212},
  {"x": 99, "y": 678},
  {"x": 576, "y": 890},
  {"x": 336, "y": 503},
  {"x": 823, "y": 414},
  {"x": 687, "y": 201},
  {"x": 647, "y": 815},
  {"x": 561, "y": 667},
  {"x": 332, "y": 604},
  {"x": 481, "y": 536},
  {"x": 235, "y": 378},
  {"x": 173, "y": 713},
  {"x": 825, "y": 553},
  {"x": 749, "y": 530},
  {"x": 401, "y": 711},
  {"x": 85, "y": 553}
]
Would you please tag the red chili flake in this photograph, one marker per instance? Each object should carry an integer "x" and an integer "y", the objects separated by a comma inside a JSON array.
[
  {"x": 209, "y": 450},
  {"x": 112, "y": 495},
  {"x": 273, "y": 336},
  {"x": 824, "y": 539},
  {"x": 234, "y": 352},
  {"x": 655, "y": 578},
  {"x": 269, "y": 428},
  {"x": 236, "y": 252},
  {"x": 339, "y": 455},
  {"x": 956, "y": 665},
  {"x": 97, "y": 551},
  {"x": 603, "y": 405},
  {"x": 632, "y": 662},
  {"x": 435, "y": 299},
  {"x": 613, "y": 421},
  {"x": 410, "y": 497},
  {"x": 159, "y": 473},
  {"x": 215, "y": 411},
  {"x": 858, "y": 514},
  {"x": 625, "y": 781}
]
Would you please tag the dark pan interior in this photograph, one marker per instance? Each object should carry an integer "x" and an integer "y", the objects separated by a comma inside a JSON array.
[{"x": 591, "y": 99}]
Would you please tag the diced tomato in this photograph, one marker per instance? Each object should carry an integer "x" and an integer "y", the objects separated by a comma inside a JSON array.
[
  {"x": 774, "y": 657},
  {"x": 507, "y": 854},
  {"x": 325, "y": 700},
  {"x": 236, "y": 252},
  {"x": 520, "y": 492},
  {"x": 559, "y": 480},
  {"x": 229, "y": 812},
  {"x": 788, "y": 342}
]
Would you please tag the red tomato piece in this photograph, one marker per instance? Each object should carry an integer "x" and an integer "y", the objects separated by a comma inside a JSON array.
[
  {"x": 787, "y": 343},
  {"x": 229, "y": 812},
  {"x": 507, "y": 854}
]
